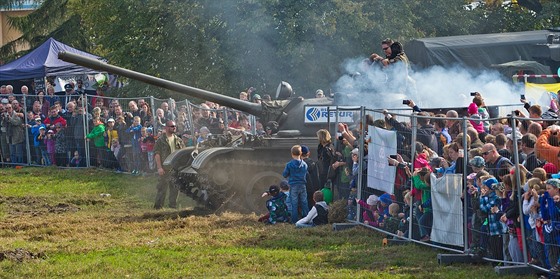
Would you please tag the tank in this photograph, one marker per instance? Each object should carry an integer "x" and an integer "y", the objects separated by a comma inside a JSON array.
[{"x": 232, "y": 172}]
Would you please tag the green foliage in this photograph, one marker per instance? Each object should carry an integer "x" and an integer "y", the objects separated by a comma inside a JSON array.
[{"x": 227, "y": 46}]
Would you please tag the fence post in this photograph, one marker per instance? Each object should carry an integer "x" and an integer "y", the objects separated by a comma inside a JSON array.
[
  {"x": 25, "y": 121},
  {"x": 414, "y": 124},
  {"x": 191, "y": 121},
  {"x": 361, "y": 161},
  {"x": 519, "y": 186},
  {"x": 226, "y": 118},
  {"x": 169, "y": 101},
  {"x": 86, "y": 129},
  {"x": 152, "y": 102},
  {"x": 253, "y": 124},
  {"x": 465, "y": 205},
  {"x": 336, "y": 146}
]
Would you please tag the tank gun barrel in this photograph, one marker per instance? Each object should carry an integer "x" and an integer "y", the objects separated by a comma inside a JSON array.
[{"x": 223, "y": 100}]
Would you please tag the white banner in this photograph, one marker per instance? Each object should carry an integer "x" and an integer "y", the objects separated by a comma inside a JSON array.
[
  {"x": 447, "y": 209},
  {"x": 383, "y": 143}
]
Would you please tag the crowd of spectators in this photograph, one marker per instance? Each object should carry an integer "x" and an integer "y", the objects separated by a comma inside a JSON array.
[
  {"x": 66, "y": 128},
  {"x": 441, "y": 148}
]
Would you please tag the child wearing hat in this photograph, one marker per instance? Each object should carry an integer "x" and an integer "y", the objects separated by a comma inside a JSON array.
[
  {"x": 549, "y": 202},
  {"x": 50, "y": 143},
  {"x": 477, "y": 165},
  {"x": 276, "y": 205},
  {"x": 370, "y": 213},
  {"x": 476, "y": 220},
  {"x": 41, "y": 145},
  {"x": 475, "y": 118},
  {"x": 490, "y": 205},
  {"x": 550, "y": 169}
]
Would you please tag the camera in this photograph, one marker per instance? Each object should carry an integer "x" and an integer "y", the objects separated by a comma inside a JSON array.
[
  {"x": 473, "y": 93},
  {"x": 393, "y": 157},
  {"x": 523, "y": 96},
  {"x": 405, "y": 102}
]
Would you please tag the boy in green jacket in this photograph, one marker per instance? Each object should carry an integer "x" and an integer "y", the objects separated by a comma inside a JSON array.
[{"x": 97, "y": 134}]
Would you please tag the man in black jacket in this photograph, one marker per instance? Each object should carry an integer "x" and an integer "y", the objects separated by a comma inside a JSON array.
[
  {"x": 312, "y": 176},
  {"x": 424, "y": 134}
]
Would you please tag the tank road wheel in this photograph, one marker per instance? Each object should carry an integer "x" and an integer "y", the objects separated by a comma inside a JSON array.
[
  {"x": 256, "y": 186},
  {"x": 223, "y": 176},
  {"x": 216, "y": 181}
]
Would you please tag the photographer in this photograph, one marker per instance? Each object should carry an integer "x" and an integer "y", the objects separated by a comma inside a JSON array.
[
  {"x": 3, "y": 131},
  {"x": 402, "y": 177},
  {"x": 343, "y": 166},
  {"x": 425, "y": 131},
  {"x": 15, "y": 133}
]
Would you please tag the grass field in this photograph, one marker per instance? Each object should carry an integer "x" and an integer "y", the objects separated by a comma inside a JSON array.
[{"x": 55, "y": 223}]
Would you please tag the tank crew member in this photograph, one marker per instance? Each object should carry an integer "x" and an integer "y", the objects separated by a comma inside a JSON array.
[
  {"x": 386, "y": 47},
  {"x": 165, "y": 145}
]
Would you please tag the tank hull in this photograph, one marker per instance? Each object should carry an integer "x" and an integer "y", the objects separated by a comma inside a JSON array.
[{"x": 233, "y": 178}]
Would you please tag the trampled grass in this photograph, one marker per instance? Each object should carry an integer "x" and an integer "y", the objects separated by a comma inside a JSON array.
[{"x": 59, "y": 225}]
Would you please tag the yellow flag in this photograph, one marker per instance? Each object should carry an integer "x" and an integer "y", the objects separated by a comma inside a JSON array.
[{"x": 541, "y": 93}]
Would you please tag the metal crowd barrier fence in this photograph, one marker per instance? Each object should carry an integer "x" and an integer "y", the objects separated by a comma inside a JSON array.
[
  {"x": 76, "y": 123},
  {"x": 457, "y": 222}
]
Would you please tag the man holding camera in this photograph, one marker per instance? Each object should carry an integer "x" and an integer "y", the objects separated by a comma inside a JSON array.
[
  {"x": 425, "y": 133},
  {"x": 15, "y": 132}
]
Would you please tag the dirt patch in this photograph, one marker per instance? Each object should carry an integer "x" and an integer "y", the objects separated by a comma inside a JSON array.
[
  {"x": 35, "y": 206},
  {"x": 86, "y": 202},
  {"x": 20, "y": 255},
  {"x": 62, "y": 207}
]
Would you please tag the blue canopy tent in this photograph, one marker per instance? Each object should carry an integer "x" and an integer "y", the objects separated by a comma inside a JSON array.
[{"x": 43, "y": 62}]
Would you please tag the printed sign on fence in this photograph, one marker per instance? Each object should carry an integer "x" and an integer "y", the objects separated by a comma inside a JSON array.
[
  {"x": 381, "y": 176},
  {"x": 447, "y": 209}
]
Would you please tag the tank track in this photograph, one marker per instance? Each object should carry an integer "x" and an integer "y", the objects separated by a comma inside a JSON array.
[{"x": 219, "y": 187}]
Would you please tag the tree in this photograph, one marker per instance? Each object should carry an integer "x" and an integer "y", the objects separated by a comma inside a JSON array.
[{"x": 227, "y": 46}]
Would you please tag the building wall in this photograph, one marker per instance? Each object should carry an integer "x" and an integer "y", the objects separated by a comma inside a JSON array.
[{"x": 8, "y": 34}]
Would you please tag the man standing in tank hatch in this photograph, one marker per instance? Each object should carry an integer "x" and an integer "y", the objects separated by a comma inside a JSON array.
[{"x": 165, "y": 145}]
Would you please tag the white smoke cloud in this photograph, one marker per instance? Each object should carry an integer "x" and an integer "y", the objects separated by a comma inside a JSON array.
[{"x": 436, "y": 87}]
